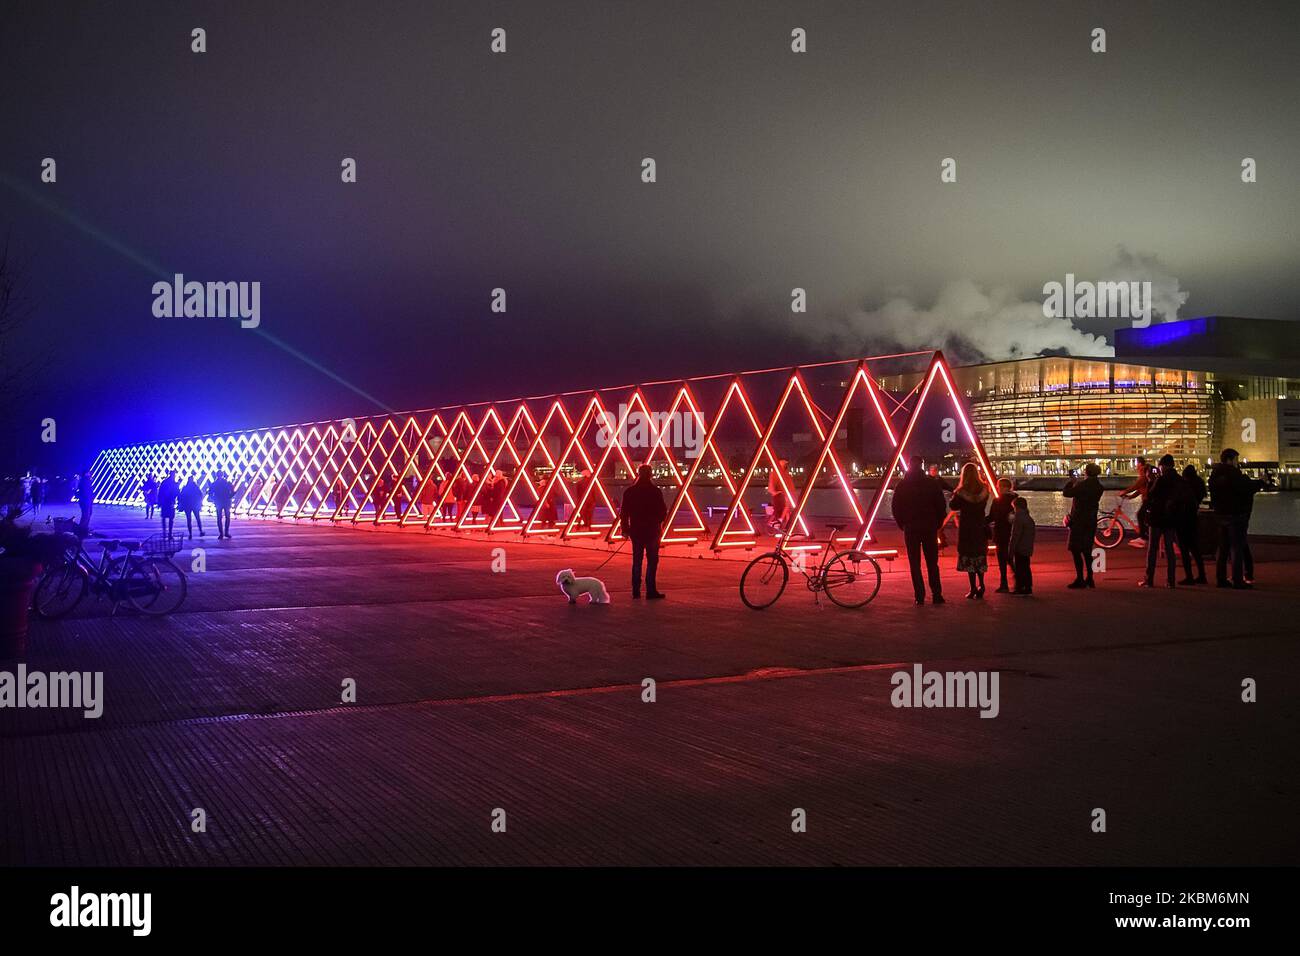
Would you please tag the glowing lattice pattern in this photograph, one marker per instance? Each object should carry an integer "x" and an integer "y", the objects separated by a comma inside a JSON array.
[{"x": 561, "y": 460}]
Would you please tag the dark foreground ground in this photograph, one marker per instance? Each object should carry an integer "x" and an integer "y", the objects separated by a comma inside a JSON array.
[{"x": 479, "y": 691}]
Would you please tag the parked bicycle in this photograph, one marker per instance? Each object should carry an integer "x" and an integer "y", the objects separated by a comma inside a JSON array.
[
  {"x": 148, "y": 581},
  {"x": 850, "y": 578}
]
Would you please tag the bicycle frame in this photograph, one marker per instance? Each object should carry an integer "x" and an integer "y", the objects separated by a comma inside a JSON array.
[
  {"x": 815, "y": 578},
  {"x": 102, "y": 582},
  {"x": 1119, "y": 514}
]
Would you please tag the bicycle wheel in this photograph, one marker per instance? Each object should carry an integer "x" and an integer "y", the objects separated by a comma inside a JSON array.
[
  {"x": 59, "y": 591},
  {"x": 763, "y": 581},
  {"x": 155, "y": 586},
  {"x": 1109, "y": 531},
  {"x": 851, "y": 579}
]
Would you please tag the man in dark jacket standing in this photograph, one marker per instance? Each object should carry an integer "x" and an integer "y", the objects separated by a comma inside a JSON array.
[
  {"x": 221, "y": 493},
  {"x": 1164, "y": 498},
  {"x": 1231, "y": 497},
  {"x": 919, "y": 509},
  {"x": 642, "y": 516},
  {"x": 168, "y": 492}
]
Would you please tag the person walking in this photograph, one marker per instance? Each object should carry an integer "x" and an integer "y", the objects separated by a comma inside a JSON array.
[
  {"x": 1084, "y": 497},
  {"x": 85, "y": 501},
  {"x": 168, "y": 492},
  {"x": 191, "y": 502},
  {"x": 1021, "y": 545},
  {"x": 642, "y": 516},
  {"x": 971, "y": 500},
  {"x": 38, "y": 495},
  {"x": 919, "y": 509},
  {"x": 222, "y": 493},
  {"x": 150, "y": 490},
  {"x": 1231, "y": 497},
  {"x": 1001, "y": 512},
  {"x": 1187, "y": 528},
  {"x": 1163, "y": 499}
]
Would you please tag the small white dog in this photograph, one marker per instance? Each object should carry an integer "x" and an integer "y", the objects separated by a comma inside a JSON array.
[{"x": 574, "y": 587}]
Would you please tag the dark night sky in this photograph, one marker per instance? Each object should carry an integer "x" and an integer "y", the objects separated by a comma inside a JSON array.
[{"x": 522, "y": 171}]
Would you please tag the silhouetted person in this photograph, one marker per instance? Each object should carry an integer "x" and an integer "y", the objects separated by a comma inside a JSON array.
[
  {"x": 150, "y": 490},
  {"x": 38, "y": 495},
  {"x": 191, "y": 502},
  {"x": 970, "y": 500},
  {"x": 548, "y": 508},
  {"x": 642, "y": 516},
  {"x": 1231, "y": 496},
  {"x": 475, "y": 496},
  {"x": 168, "y": 492},
  {"x": 222, "y": 493},
  {"x": 1248, "y": 559},
  {"x": 400, "y": 495},
  {"x": 1021, "y": 543},
  {"x": 85, "y": 501},
  {"x": 494, "y": 494},
  {"x": 778, "y": 480},
  {"x": 461, "y": 489},
  {"x": 589, "y": 504},
  {"x": 1164, "y": 496},
  {"x": 919, "y": 509},
  {"x": 1001, "y": 512},
  {"x": 1188, "y": 526},
  {"x": 934, "y": 473},
  {"x": 1084, "y": 497}
]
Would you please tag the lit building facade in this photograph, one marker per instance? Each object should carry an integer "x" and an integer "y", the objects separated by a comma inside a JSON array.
[{"x": 1049, "y": 415}]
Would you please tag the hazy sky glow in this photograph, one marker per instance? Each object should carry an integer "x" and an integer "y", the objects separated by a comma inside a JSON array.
[{"x": 775, "y": 170}]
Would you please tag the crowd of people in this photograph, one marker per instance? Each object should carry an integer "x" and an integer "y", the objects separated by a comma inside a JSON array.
[
  {"x": 170, "y": 495},
  {"x": 1168, "y": 518},
  {"x": 989, "y": 519},
  {"x": 463, "y": 494}
]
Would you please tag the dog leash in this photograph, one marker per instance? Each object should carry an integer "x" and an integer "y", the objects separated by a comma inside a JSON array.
[{"x": 611, "y": 556}]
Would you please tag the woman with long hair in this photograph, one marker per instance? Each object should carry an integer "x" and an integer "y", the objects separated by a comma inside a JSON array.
[{"x": 970, "y": 500}]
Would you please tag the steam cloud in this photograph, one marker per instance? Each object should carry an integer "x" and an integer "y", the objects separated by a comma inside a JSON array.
[{"x": 978, "y": 324}]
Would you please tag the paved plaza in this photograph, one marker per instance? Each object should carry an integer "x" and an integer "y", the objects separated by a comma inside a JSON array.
[{"x": 479, "y": 691}]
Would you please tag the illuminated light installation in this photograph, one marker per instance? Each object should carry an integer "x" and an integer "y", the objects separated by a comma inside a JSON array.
[
  {"x": 331, "y": 470},
  {"x": 674, "y": 533},
  {"x": 419, "y": 445},
  {"x": 860, "y": 377},
  {"x": 522, "y": 475},
  {"x": 595, "y": 414},
  {"x": 438, "y": 516},
  {"x": 938, "y": 371},
  {"x": 522, "y": 417}
]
